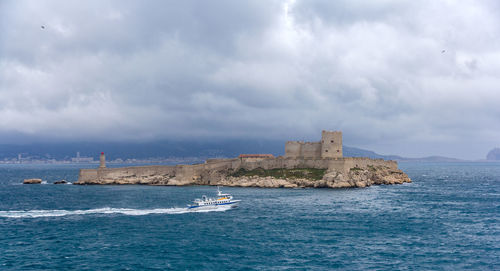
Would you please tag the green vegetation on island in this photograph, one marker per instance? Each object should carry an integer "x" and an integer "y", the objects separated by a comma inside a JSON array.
[{"x": 283, "y": 173}]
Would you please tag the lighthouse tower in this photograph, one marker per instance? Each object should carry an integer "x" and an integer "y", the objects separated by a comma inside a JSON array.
[{"x": 102, "y": 161}]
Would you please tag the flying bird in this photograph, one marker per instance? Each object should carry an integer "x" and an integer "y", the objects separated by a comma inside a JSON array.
[
  {"x": 43, "y": 27},
  {"x": 442, "y": 52}
]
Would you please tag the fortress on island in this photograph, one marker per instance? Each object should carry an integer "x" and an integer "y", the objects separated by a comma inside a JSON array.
[
  {"x": 325, "y": 156},
  {"x": 330, "y": 146}
]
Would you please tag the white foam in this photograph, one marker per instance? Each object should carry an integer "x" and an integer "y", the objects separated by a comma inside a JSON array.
[{"x": 107, "y": 210}]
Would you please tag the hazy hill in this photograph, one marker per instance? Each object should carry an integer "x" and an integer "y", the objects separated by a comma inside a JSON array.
[
  {"x": 356, "y": 152},
  {"x": 494, "y": 154}
]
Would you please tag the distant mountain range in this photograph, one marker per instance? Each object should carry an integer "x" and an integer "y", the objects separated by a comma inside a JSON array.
[
  {"x": 166, "y": 149},
  {"x": 356, "y": 152},
  {"x": 142, "y": 150}
]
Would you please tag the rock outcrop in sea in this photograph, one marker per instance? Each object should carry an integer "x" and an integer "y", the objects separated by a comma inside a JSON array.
[{"x": 32, "y": 181}]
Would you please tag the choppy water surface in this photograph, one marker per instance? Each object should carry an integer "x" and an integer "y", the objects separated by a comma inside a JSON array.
[{"x": 447, "y": 219}]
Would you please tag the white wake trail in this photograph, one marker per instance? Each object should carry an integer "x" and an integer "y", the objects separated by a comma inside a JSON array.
[{"x": 107, "y": 210}]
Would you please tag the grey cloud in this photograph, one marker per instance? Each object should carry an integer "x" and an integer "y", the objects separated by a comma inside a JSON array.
[
  {"x": 122, "y": 70},
  {"x": 350, "y": 11}
]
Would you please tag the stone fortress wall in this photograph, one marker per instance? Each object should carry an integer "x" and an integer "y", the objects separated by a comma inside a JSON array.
[
  {"x": 330, "y": 146},
  {"x": 326, "y": 154}
]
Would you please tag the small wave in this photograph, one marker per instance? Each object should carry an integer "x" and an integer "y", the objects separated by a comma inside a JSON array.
[
  {"x": 123, "y": 211},
  {"x": 44, "y": 182}
]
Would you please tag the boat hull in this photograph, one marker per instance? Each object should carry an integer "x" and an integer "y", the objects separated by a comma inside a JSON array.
[{"x": 233, "y": 204}]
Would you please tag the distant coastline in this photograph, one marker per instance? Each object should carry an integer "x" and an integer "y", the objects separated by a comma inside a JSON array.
[
  {"x": 169, "y": 153},
  {"x": 197, "y": 160},
  {"x": 171, "y": 160}
]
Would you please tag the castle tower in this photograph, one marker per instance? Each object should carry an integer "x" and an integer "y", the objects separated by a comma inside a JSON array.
[
  {"x": 102, "y": 160},
  {"x": 331, "y": 144}
]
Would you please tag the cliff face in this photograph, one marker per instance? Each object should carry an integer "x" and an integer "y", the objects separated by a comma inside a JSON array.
[
  {"x": 333, "y": 178},
  {"x": 494, "y": 154}
]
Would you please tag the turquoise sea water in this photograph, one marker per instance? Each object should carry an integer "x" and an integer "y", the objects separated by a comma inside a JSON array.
[{"x": 447, "y": 219}]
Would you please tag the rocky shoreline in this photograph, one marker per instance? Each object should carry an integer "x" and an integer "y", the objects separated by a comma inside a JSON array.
[{"x": 355, "y": 177}]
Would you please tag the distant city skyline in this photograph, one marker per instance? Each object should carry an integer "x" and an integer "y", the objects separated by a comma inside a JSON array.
[{"x": 410, "y": 78}]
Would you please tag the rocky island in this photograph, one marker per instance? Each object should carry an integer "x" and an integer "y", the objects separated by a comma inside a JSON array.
[
  {"x": 305, "y": 164},
  {"x": 493, "y": 155}
]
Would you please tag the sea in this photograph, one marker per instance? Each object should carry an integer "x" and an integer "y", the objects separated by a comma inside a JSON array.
[{"x": 447, "y": 219}]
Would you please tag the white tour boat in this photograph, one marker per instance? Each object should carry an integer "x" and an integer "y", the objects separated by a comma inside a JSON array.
[{"x": 222, "y": 200}]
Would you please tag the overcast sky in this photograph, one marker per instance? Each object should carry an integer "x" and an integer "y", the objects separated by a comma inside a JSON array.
[{"x": 413, "y": 78}]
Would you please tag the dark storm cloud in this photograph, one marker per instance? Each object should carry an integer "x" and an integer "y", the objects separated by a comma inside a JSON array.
[{"x": 420, "y": 77}]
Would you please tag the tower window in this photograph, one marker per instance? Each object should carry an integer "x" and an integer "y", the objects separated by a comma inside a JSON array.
[
  {"x": 331, "y": 141},
  {"x": 338, "y": 150},
  {"x": 326, "y": 150}
]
